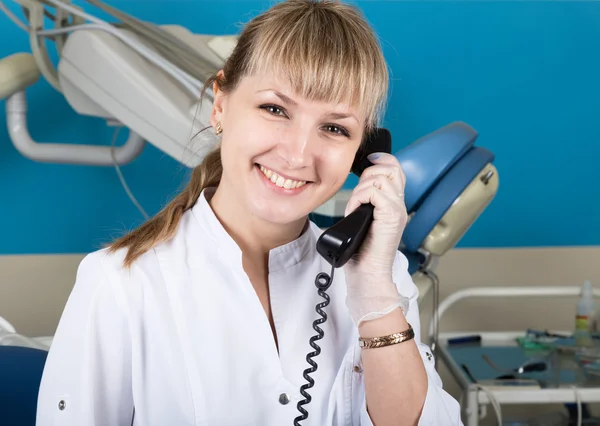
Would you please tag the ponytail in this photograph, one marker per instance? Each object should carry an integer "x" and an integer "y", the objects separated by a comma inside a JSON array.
[{"x": 162, "y": 227}]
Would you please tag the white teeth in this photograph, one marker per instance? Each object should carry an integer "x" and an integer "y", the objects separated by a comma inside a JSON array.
[{"x": 281, "y": 181}]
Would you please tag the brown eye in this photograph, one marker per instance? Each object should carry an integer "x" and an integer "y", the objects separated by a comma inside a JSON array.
[
  {"x": 332, "y": 128},
  {"x": 273, "y": 110}
]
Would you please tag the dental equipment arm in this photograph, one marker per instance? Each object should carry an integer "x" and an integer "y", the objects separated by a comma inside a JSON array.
[
  {"x": 97, "y": 65},
  {"x": 19, "y": 71}
]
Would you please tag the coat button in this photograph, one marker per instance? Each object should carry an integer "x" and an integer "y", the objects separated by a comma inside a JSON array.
[
  {"x": 284, "y": 398},
  {"x": 62, "y": 405}
]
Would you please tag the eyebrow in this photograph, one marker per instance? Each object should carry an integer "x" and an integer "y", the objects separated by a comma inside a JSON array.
[
  {"x": 288, "y": 100},
  {"x": 281, "y": 96},
  {"x": 341, "y": 116}
]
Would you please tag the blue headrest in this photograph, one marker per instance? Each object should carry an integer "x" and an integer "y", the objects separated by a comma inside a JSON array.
[
  {"x": 441, "y": 197},
  {"x": 20, "y": 376},
  {"x": 426, "y": 160}
]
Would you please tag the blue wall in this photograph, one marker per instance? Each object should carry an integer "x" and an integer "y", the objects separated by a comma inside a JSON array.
[{"x": 526, "y": 75}]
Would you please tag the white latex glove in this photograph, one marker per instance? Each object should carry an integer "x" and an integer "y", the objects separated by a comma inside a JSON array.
[{"x": 371, "y": 290}]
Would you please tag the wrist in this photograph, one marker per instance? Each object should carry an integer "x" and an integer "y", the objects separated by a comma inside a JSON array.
[
  {"x": 391, "y": 323},
  {"x": 371, "y": 301}
]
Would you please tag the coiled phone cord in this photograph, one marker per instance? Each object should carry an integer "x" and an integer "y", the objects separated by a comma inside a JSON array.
[{"x": 322, "y": 282}]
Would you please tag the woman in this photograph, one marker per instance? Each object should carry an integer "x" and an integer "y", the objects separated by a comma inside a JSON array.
[{"x": 202, "y": 316}]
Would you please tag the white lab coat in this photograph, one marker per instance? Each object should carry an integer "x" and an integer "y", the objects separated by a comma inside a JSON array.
[{"x": 182, "y": 339}]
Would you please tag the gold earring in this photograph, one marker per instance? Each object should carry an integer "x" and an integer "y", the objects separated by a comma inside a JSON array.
[{"x": 219, "y": 129}]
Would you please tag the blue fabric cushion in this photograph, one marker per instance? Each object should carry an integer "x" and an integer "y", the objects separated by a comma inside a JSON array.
[
  {"x": 440, "y": 199},
  {"x": 426, "y": 160},
  {"x": 20, "y": 375}
]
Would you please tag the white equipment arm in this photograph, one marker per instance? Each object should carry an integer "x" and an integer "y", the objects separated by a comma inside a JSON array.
[
  {"x": 147, "y": 77},
  {"x": 19, "y": 71}
]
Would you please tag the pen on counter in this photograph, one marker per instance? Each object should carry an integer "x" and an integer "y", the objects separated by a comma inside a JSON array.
[
  {"x": 464, "y": 339},
  {"x": 468, "y": 372},
  {"x": 546, "y": 333}
]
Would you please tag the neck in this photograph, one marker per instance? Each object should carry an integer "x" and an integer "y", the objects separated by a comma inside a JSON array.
[{"x": 256, "y": 238}]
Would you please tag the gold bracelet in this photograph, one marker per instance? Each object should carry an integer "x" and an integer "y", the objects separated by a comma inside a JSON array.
[{"x": 392, "y": 339}]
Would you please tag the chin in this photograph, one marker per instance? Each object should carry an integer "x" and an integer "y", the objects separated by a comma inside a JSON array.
[{"x": 277, "y": 212}]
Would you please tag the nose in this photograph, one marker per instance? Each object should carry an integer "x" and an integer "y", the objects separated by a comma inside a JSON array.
[{"x": 296, "y": 147}]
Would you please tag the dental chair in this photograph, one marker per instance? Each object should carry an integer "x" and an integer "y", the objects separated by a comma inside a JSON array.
[
  {"x": 449, "y": 182},
  {"x": 20, "y": 375}
]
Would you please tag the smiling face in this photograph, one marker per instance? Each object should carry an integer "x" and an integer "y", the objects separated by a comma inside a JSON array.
[{"x": 283, "y": 155}]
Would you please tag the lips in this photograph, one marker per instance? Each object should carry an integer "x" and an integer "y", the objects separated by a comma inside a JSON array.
[{"x": 281, "y": 181}]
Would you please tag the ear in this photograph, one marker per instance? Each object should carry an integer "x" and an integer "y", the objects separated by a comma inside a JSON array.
[{"x": 216, "y": 114}]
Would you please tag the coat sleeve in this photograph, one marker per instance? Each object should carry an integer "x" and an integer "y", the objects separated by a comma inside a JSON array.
[
  {"x": 87, "y": 376},
  {"x": 440, "y": 408}
]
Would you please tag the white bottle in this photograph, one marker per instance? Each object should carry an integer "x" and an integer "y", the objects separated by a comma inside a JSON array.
[{"x": 585, "y": 319}]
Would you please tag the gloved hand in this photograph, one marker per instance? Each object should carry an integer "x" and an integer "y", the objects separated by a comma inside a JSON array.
[{"x": 371, "y": 290}]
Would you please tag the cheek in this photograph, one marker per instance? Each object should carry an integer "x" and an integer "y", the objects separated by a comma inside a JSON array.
[
  {"x": 335, "y": 166},
  {"x": 249, "y": 136}
]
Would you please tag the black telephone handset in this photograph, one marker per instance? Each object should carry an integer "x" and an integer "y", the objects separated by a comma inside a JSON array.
[
  {"x": 342, "y": 240},
  {"x": 337, "y": 245}
]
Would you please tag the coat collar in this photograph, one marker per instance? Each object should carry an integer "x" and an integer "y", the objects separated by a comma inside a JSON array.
[{"x": 280, "y": 258}]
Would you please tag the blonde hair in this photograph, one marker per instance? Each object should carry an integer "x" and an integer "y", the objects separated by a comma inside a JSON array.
[{"x": 325, "y": 49}]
